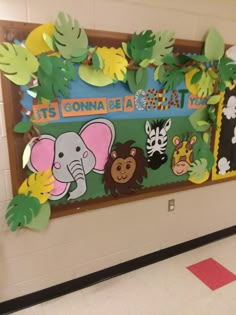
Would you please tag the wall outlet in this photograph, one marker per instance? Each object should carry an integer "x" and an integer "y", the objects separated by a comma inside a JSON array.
[{"x": 171, "y": 204}]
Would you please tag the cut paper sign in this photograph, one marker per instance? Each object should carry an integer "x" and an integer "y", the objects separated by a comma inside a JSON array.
[
  {"x": 125, "y": 169},
  {"x": 213, "y": 274},
  {"x": 72, "y": 156}
]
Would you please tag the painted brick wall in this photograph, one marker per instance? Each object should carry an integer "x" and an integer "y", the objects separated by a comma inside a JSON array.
[{"x": 79, "y": 244}]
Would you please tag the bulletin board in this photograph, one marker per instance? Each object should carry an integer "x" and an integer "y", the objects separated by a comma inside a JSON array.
[{"x": 136, "y": 116}]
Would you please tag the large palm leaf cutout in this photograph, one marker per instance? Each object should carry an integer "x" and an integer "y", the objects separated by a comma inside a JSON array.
[
  {"x": 38, "y": 185},
  {"x": 70, "y": 39},
  {"x": 17, "y": 63},
  {"x": 54, "y": 76},
  {"x": 21, "y": 211},
  {"x": 114, "y": 61}
]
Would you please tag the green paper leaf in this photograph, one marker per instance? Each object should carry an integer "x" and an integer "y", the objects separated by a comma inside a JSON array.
[
  {"x": 80, "y": 59},
  {"x": 196, "y": 77},
  {"x": 146, "y": 62},
  {"x": 140, "y": 46},
  {"x": 203, "y": 124},
  {"x": 132, "y": 81},
  {"x": 163, "y": 46},
  {"x": 213, "y": 100},
  {"x": 22, "y": 126},
  {"x": 45, "y": 64},
  {"x": 214, "y": 45},
  {"x": 40, "y": 222},
  {"x": 124, "y": 47},
  {"x": 70, "y": 39},
  {"x": 199, "y": 58},
  {"x": 57, "y": 82},
  {"x": 91, "y": 76},
  {"x": 199, "y": 115},
  {"x": 21, "y": 210},
  {"x": 161, "y": 73},
  {"x": 49, "y": 41},
  {"x": 222, "y": 86},
  {"x": 172, "y": 79},
  {"x": 139, "y": 76},
  {"x": 206, "y": 137},
  {"x": 205, "y": 153},
  {"x": 206, "y": 84},
  {"x": 169, "y": 59},
  {"x": 156, "y": 73},
  {"x": 17, "y": 63},
  {"x": 26, "y": 155},
  {"x": 212, "y": 115},
  {"x": 227, "y": 69},
  {"x": 197, "y": 169},
  {"x": 33, "y": 94},
  {"x": 96, "y": 61},
  {"x": 212, "y": 74}
]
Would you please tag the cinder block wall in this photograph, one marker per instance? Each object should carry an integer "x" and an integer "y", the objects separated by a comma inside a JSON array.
[{"x": 76, "y": 245}]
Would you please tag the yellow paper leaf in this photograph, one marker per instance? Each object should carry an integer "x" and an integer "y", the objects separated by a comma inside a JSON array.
[
  {"x": 38, "y": 185},
  {"x": 35, "y": 41},
  {"x": 199, "y": 181},
  {"x": 192, "y": 88},
  {"x": 115, "y": 62},
  {"x": 26, "y": 155}
]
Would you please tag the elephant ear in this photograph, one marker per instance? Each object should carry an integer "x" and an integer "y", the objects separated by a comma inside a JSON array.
[
  {"x": 42, "y": 158},
  {"x": 98, "y": 135}
]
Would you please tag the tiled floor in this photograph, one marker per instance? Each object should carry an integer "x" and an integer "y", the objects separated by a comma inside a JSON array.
[{"x": 165, "y": 288}]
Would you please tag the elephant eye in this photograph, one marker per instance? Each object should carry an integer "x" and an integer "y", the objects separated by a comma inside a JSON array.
[
  {"x": 77, "y": 149},
  {"x": 61, "y": 154}
]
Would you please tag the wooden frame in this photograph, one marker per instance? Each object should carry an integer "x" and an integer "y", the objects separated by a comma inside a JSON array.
[{"x": 8, "y": 32}]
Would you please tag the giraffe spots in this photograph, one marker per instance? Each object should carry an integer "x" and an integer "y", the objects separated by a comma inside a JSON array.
[{"x": 183, "y": 155}]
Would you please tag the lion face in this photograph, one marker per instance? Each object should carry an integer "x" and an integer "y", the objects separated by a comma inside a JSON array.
[{"x": 122, "y": 170}]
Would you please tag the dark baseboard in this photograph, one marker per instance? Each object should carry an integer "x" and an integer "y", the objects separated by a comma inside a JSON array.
[{"x": 114, "y": 271}]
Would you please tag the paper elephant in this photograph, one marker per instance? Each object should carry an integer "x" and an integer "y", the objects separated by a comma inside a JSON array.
[{"x": 73, "y": 155}]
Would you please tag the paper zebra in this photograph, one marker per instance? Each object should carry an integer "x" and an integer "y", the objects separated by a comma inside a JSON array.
[{"x": 157, "y": 142}]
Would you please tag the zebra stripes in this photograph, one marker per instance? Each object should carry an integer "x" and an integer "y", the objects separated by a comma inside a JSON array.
[{"x": 157, "y": 140}]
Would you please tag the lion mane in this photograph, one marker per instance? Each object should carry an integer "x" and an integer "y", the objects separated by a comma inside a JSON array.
[{"x": 123, "y": 151}]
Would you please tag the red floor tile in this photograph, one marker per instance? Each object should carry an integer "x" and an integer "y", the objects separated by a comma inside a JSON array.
[{"x": 213, "y": 274}]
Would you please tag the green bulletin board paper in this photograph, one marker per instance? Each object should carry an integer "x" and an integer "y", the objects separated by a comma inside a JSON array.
[{"x": 131, "y": 130}]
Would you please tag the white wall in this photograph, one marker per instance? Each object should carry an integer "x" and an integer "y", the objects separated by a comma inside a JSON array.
[{"x": 79, "y": 244}]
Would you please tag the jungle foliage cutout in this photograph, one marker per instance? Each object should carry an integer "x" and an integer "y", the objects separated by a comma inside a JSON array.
[{"x": 77, "y": 160}]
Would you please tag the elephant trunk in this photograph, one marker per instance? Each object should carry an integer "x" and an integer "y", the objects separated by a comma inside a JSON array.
[{"x": 76, "y": 170}]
